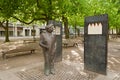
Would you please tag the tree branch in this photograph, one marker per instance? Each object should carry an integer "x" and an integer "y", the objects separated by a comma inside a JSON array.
[
  {"x": 1, "y": 24},
  {"x": 44, "y": 15},
  {"x": 38, "y": 4},
  {"x": 22, "y": 21},
  {"x": 35, "y": 19},
  {"x": 0, "y": 8}
]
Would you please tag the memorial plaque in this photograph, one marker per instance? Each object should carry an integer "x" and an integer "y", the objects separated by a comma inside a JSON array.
[
  {"x": 95, "y": 43},
  {"x": 58, "y": 33},
  {"x": 95, "y": 28}
]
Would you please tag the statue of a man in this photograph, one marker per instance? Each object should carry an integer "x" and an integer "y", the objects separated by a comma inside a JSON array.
[{"x": 48, "y": 44}]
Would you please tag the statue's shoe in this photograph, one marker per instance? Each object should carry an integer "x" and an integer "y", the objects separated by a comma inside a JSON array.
[
  {"x": 52, "y": 71},
  {"x": 47, "y": 72}
]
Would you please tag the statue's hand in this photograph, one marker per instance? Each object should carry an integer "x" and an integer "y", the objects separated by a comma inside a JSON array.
[
  {"x": 47, "y": 47},
  {"x": 44, "y": 45}
]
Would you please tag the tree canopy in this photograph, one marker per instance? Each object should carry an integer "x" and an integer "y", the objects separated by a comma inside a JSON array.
[{"x": 28, "y": 11}]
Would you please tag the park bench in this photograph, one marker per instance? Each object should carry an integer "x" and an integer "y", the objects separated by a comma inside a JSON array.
[
  {"x": 19, "y": 48},
  {"x": 69, "y": 42},
  {"x": 113, "y": 36}
]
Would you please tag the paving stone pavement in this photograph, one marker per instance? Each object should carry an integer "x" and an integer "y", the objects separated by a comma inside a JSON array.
[
  {"x": 30, "y": 67},
  {"x": 117, "y": 77},
  {"x": 63, "y": 72}
]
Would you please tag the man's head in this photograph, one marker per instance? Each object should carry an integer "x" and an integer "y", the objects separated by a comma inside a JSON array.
[{"x": 49, "y": 28}]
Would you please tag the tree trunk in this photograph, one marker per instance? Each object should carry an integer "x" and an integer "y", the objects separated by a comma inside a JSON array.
[
  {"x": 49, "y": 14},
  {"x": 78, "y": 31},
  {"x": 66, "y": 29},
  {"x": 112, "y": 30},
  {"x": 75, "y": 31},
  {"x": 34, "y": 39},
  {"x": 7, "y": 32},
  {"x": 119, "y": 31}
]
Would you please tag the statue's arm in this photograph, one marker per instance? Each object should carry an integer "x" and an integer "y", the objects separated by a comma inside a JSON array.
[
  {"x": 42, "y": 42},
  {"x": 53, "y": 45}
]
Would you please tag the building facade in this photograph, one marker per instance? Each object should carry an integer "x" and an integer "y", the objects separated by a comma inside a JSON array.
[{"x": 18, "y": 30}]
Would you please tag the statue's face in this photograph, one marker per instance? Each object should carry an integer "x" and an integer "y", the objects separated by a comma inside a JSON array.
[{"x": 50, "y": 29}]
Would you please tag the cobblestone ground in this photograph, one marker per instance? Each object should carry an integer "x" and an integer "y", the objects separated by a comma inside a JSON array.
[
  {"x": 63, "y": 72},
  {"x": 71, "y": 67},
  {"x": 117, "y": 77}
]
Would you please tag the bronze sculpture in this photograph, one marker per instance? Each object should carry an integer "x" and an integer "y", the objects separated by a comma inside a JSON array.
[{"x": 48, "y": 44}]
